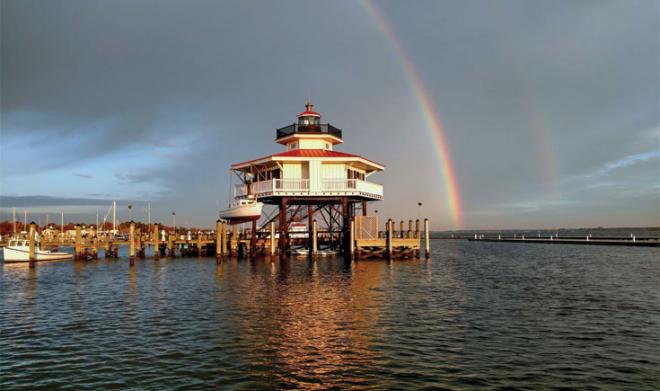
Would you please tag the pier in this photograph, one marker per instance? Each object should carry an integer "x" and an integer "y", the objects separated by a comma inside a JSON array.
[
  {"x": 365, "y": 241},
  {"x": 585, "y": 240}
]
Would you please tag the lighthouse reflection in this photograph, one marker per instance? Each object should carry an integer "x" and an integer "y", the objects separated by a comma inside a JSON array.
[{"x": 312, "y": 321}]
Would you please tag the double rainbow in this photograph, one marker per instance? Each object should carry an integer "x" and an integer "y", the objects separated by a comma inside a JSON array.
[{"x": 426, "y": 109}]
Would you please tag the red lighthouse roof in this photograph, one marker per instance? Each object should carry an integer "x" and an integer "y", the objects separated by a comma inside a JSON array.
[{"x": 309, "y": 112}]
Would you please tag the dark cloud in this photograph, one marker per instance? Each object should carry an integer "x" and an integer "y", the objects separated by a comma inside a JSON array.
[{"x": 155, "y": 99}]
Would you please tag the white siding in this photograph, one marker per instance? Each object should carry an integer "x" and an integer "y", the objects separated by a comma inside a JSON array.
[
  {"x": 292, "y": 171},
  {"x": 315, "y": 175},
  {"x": 315, "y": 144},
  {"x": 333, "y": 171}
]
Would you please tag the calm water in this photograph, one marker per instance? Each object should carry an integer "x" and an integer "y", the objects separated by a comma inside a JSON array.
[{"x": 478, "y": 315}]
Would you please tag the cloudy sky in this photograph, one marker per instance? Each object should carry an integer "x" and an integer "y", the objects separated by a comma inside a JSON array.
[{"x": 550, "y": 108}]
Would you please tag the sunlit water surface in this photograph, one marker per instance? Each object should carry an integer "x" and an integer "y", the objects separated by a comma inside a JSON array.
[{"x": 477, "y": 315}]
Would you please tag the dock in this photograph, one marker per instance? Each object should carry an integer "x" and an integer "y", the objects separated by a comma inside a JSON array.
[{"x": 587, "y": 240}]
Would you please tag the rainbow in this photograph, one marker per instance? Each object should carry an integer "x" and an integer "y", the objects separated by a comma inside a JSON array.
[{"x": 431, "y": 117}]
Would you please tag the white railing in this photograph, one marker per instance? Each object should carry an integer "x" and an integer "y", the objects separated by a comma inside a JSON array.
[
  {"x": 338, "y": 184},
  {"x": 292, "y": 185},
  {"x": 262, "y": 187},
  {"x": 301, "y": 186}
]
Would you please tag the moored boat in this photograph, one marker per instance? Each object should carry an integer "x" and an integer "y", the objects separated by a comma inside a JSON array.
[
  {"x": 242, "y": 210},
  {"x": 18, "y": 250}
]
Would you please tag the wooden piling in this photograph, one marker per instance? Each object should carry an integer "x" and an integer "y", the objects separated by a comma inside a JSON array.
[
  {"x": 131, "y": 243},
  {"x": 156, "y": 240},
  {"x": 272, "y": 238},
  {"x": 410, "y": 229},
  {"x": 315, "y": 239},
  {"x": 78, "y": 246},
  {"x": 233, "y": 247},
  {"x": 31, "y": 243},
  {"x": 352, "y": 239},
  {"x": 170, "y": 245},
  {"x": 223, "y": 240},
  {"x": 389, "y": 236},
  {"x": 218, "y": 240},
  {"x": 427, "y": 242},
  {"x": 199, "y": 244},
  {"x": 417, "y": 229},
  {"x": 253, "y": 239},
  {"x": 138, "y": 244},
  {"x": 283, "y": 225},
  {"x": 402, "y": 232}
]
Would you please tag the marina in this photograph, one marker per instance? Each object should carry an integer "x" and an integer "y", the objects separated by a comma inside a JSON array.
[
  {"x": 319, "y": 195},
  {"x": 309, "y": 180}
]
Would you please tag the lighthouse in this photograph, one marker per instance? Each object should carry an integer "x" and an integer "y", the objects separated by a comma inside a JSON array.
[{"x": 310, "y": 173}]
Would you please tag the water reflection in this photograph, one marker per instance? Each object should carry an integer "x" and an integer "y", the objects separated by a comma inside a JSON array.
[
  {"x": 475, "y": 315},
  {"x": 315, "y": 324}
]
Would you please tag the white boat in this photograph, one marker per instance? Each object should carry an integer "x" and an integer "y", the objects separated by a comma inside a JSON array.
[
  {"x": 242, "y": 210},
  {"x": 320, "y": 253},
  {"x": 298, "y": 231},
  {"x": 18, "y": 250}
]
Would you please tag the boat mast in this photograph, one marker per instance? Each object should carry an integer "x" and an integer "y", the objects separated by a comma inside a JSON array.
[
  {"x": 14, "y": 214},
  {"x": 25, "y": 219},
  {"x": 149, "y": 216},
  {"x": 114, "y": 217},
  {"x": 62, "y": 225}
]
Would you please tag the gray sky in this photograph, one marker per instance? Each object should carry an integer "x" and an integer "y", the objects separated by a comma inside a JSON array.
[{"x": 550, "y": 108}]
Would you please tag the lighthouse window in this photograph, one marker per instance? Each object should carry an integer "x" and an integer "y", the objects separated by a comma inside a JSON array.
[
  {"x": 327, "y": 146},
  {"x": 293, "y": 146}
]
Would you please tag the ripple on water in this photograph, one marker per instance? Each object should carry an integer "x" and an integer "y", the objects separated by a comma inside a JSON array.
[{"x": 478, "y": 315}]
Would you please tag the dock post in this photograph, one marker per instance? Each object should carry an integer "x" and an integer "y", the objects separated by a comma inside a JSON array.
[
  {"x": 218, "y": 240},
  {"x": 199, "y": 244},
  {"x": 272, "y": 239},
  {"x": 156, "y": 242},
  {"x": 389, "y": 233},
  {"x": 79, "y": 249},
  {"x": 253, "y": 239},
  {"x": 138, "y": 243},
  {"x": 32, "y": 239},
  {"x": 314, "y": 239},
  {"x": 417, "y": 229},
  {"x": 427, "y": 243},
  {"x": 223, "y": 241},
  {"x": 310, "y": 214},
  {"x": 410, "y": 229},
  {"x": 233, "y": 245},
  {"x": 352, "y": 240},
  {"x": 402, "y": 232},
  {"x": 283, "y": 225},
  {"x": 131, "y": 243}
]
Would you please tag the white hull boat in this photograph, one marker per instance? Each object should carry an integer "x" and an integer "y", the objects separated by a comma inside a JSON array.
[
  {"x": 242, "y": 211},
  {"x": 320, "y": 253},
  {"x": 19, "y": 251}
]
